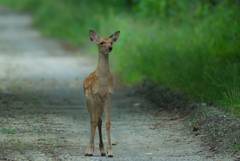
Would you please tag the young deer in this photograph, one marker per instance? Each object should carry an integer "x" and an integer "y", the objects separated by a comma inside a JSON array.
[{"x": 98, "y": 88}]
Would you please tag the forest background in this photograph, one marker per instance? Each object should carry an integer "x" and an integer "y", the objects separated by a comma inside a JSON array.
[{"x": 192, "y": 46}]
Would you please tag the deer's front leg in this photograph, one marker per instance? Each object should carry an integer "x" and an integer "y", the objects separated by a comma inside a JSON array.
[{"x": 106, "y": 108}]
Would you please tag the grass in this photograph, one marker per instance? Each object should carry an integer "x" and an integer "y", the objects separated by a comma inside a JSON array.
[
  {"x": 198, "y": 56},
  {"x": 230, "y": 90},
  {"x": 16, "y": 143}
]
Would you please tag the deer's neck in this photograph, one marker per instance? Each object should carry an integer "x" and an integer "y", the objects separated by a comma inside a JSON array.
[{"x": 103, "y": 64}]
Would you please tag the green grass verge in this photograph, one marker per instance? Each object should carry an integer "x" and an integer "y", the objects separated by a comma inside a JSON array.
[{"x": 199, "y": 56}]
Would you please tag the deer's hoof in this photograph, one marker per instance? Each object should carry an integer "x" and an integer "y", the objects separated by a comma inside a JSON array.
[
  {"x": 110, "y": 156},
  {"x": 88, "y": 155},
  {"x": 103, "y": 154}
]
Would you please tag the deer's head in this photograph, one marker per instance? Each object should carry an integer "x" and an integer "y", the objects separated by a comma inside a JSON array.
[{"x": 104, "y": 43}]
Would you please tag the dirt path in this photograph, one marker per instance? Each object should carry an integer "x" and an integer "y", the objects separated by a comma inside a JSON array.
[{"x": 41, "y": 98}]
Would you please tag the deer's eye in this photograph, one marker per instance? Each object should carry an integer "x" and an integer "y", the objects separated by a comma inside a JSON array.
[{"x": 102, "y": 43}]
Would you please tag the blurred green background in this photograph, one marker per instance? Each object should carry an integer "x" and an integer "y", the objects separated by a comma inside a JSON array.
[{"x": 192, "y": 46}]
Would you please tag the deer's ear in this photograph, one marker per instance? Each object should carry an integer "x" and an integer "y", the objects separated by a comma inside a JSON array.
[
  {"x": 115, "y": 36},
  {"x": 93, "y": 36}
]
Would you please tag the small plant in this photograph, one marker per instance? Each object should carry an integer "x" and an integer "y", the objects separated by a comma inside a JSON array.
[
  {"x": 215, "y": 128},
  {"x": 34, "y": 98},
  {"x": 44, "y": 142},
  {"x": 17, "y": 144},
  {"x": 35, "y": 148},
  {"x": 235, "y": 147},
  {"x": 51, "y": 143},
  {"x": 8, "y": 131},
  {"x": 193, "y": 121},
  {"x": 206, "y": 112},
  {"x": 33, "y": 117},
  {"x": 186, "y": 124}
]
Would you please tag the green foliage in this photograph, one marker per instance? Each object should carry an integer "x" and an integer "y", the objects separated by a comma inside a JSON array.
[
  {"x": 8, "y": 131},
  {"x": 66, "y": 20},
  {"x": 190, "y": 46},
  {"x": 162, "y": 8}
]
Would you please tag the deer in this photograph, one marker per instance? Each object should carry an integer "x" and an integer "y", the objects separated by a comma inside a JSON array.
[{"x": 98, "y": 88}]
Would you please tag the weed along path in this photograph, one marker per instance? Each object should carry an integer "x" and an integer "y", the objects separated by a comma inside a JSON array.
[{"x": 43, "y": 115}]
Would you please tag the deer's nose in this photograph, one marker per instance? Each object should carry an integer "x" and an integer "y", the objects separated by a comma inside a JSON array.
[{"x": 110, "y": 47}]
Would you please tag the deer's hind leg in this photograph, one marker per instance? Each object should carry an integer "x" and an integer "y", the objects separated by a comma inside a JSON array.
[{"x": 92, "y": 110}]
